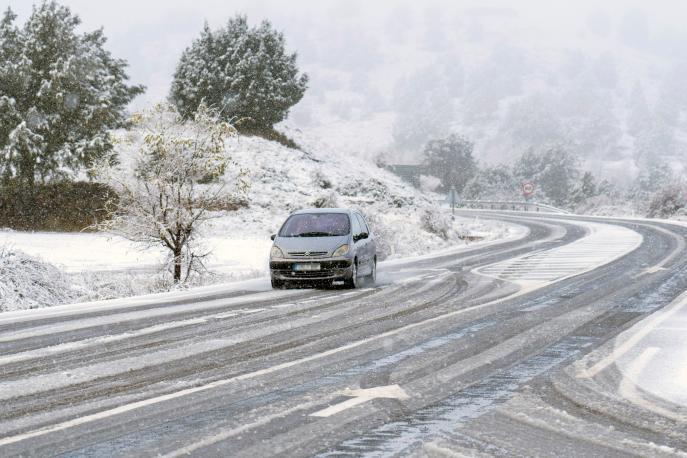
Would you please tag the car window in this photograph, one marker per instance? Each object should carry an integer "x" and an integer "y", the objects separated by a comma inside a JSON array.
[
  {"x": 363, "y": 224},
  {"x": 356, "y": 225},
  {"x": 316, "y": 225}
]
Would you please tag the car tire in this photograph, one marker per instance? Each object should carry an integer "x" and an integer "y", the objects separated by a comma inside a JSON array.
[
  {"x": 372, "y": 277},
  {"x": 278, "y": 284},
  {"x": 352, "y": 282}
]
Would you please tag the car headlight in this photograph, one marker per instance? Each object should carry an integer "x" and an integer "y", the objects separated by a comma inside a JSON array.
[
  {"x": 276, "y": 252},
  {"x": 342, "y": 250}
]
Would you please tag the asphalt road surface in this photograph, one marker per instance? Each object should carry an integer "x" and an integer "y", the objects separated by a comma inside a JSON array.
[{"x": 472, "y": 352}]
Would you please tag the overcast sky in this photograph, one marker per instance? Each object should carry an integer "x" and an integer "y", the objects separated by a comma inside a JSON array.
[{"x": 151, "y": 34}]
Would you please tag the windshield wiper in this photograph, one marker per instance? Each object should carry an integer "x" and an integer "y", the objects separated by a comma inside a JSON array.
[{"x": 314, "y": 234}]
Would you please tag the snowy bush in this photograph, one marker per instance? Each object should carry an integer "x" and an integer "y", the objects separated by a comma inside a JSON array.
[
  {"x": 429, "y": 183},
  {"x": 327, "y": 201},
  {"x": 385, "y": 235},
  {"x": 436, "y": 222},
  {"x": 668, "y": 202},
  {"x": 27, "y": 282},
  {"x": 320, "y": 180}
]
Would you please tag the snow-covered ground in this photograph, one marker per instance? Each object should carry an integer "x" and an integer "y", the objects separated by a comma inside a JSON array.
[
  {"x": 405, "y": 221},
  {"x": 95, "y": 252},
  {"x": 652, "y": 356}
]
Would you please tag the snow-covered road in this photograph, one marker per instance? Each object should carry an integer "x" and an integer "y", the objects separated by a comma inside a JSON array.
[{"x": 241, "y": 371}]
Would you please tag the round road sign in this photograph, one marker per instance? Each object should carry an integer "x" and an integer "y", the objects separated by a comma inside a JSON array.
[{"x": 527, "y": 189}]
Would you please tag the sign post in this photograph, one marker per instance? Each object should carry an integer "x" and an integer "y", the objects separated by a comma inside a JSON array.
[
  {"x": 452, "y": 198},
  {"x": 527, "y": 192}
]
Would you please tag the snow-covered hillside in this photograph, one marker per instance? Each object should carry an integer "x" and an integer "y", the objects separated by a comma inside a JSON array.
[{"x": 405, "y": 221}]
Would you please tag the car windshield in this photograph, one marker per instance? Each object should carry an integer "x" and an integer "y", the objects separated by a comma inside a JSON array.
[{"x": 316, "y": 225}]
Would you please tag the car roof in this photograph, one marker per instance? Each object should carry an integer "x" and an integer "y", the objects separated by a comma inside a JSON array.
[{"x": 323, "y": 210}]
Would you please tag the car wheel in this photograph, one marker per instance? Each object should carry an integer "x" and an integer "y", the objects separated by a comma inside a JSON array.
[
  {"x": 353, "y": 281},
  {"x": 277, "y": 284},
  {"x": 372, "y": 278}
]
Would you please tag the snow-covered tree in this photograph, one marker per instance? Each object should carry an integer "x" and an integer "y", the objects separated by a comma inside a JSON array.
[
  {"x": 177, "y": 171},
  {"x": 670, "y": 200},
  {"x": 586, "y": 188},
  {"x": 242, "y": 71},
  {"x": 554, "y": 171},
  {"x": 652, "y": 177},
  {"x": 60, "y": 94},
  {"x": 493, "y": 183},
  {"x": 450, "y": 159}
]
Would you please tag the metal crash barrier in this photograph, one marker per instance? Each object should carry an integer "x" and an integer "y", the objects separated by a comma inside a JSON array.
[{"x": 510, "y": 205}]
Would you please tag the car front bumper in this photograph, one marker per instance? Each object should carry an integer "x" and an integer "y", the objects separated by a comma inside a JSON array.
[{"x": 330, "y": 269}]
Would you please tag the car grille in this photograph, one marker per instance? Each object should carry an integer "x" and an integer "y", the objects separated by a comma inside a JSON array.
[
  {"x": 324, "y": 265},
  {"x": 315, "y": 274},
  {"x": 306, "y": 254}
]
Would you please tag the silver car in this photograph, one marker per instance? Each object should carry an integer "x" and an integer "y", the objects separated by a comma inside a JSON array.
[{"x": 323, "y": 245}]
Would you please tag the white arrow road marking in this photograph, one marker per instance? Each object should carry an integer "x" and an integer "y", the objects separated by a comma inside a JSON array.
[
  {"x": 651, "y": 270},
  {"x": 361, "y": 396}
]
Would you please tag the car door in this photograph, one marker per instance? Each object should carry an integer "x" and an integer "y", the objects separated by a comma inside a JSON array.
[
  {"x": 356, "y": 229},
  {"x": 370, "y": 247},
  {"x": 363, "y": 247}
]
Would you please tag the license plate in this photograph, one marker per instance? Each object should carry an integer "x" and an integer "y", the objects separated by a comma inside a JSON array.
[{"x": 306, "y": 267}]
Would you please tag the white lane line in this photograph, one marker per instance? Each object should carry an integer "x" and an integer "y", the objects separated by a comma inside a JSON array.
[
  {"x": 628, "y": 386},
  {"x": 283, "y": 306},
  {"x": 361, "y": 396},
  {"x": 644, "y": 328}
]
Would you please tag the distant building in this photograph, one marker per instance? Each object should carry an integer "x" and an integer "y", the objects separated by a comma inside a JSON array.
[{"x": 409, "y": 173}]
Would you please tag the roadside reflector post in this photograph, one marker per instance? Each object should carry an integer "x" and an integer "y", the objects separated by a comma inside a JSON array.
[{"x": 451, "y": 198}]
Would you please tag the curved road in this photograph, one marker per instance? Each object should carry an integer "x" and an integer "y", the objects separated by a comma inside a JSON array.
[{"x": 499, "y": 349}]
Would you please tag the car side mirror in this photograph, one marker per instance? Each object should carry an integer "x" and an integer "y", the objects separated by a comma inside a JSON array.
[{"x": 273, "y": 236}]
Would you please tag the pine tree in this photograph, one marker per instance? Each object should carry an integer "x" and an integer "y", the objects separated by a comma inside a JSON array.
[
  {"x": 60, "y": 94},
  {"x": 242, "y": 71},
  {"x": 554, "y": 171},
  {"x": 450, "y": 159}
]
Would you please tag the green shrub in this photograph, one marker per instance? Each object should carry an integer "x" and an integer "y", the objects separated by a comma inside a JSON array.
[{"x": 55, "y": 206}]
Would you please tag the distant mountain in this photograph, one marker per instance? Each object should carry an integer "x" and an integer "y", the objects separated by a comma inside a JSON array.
[{"x": 609, "y": 87}]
